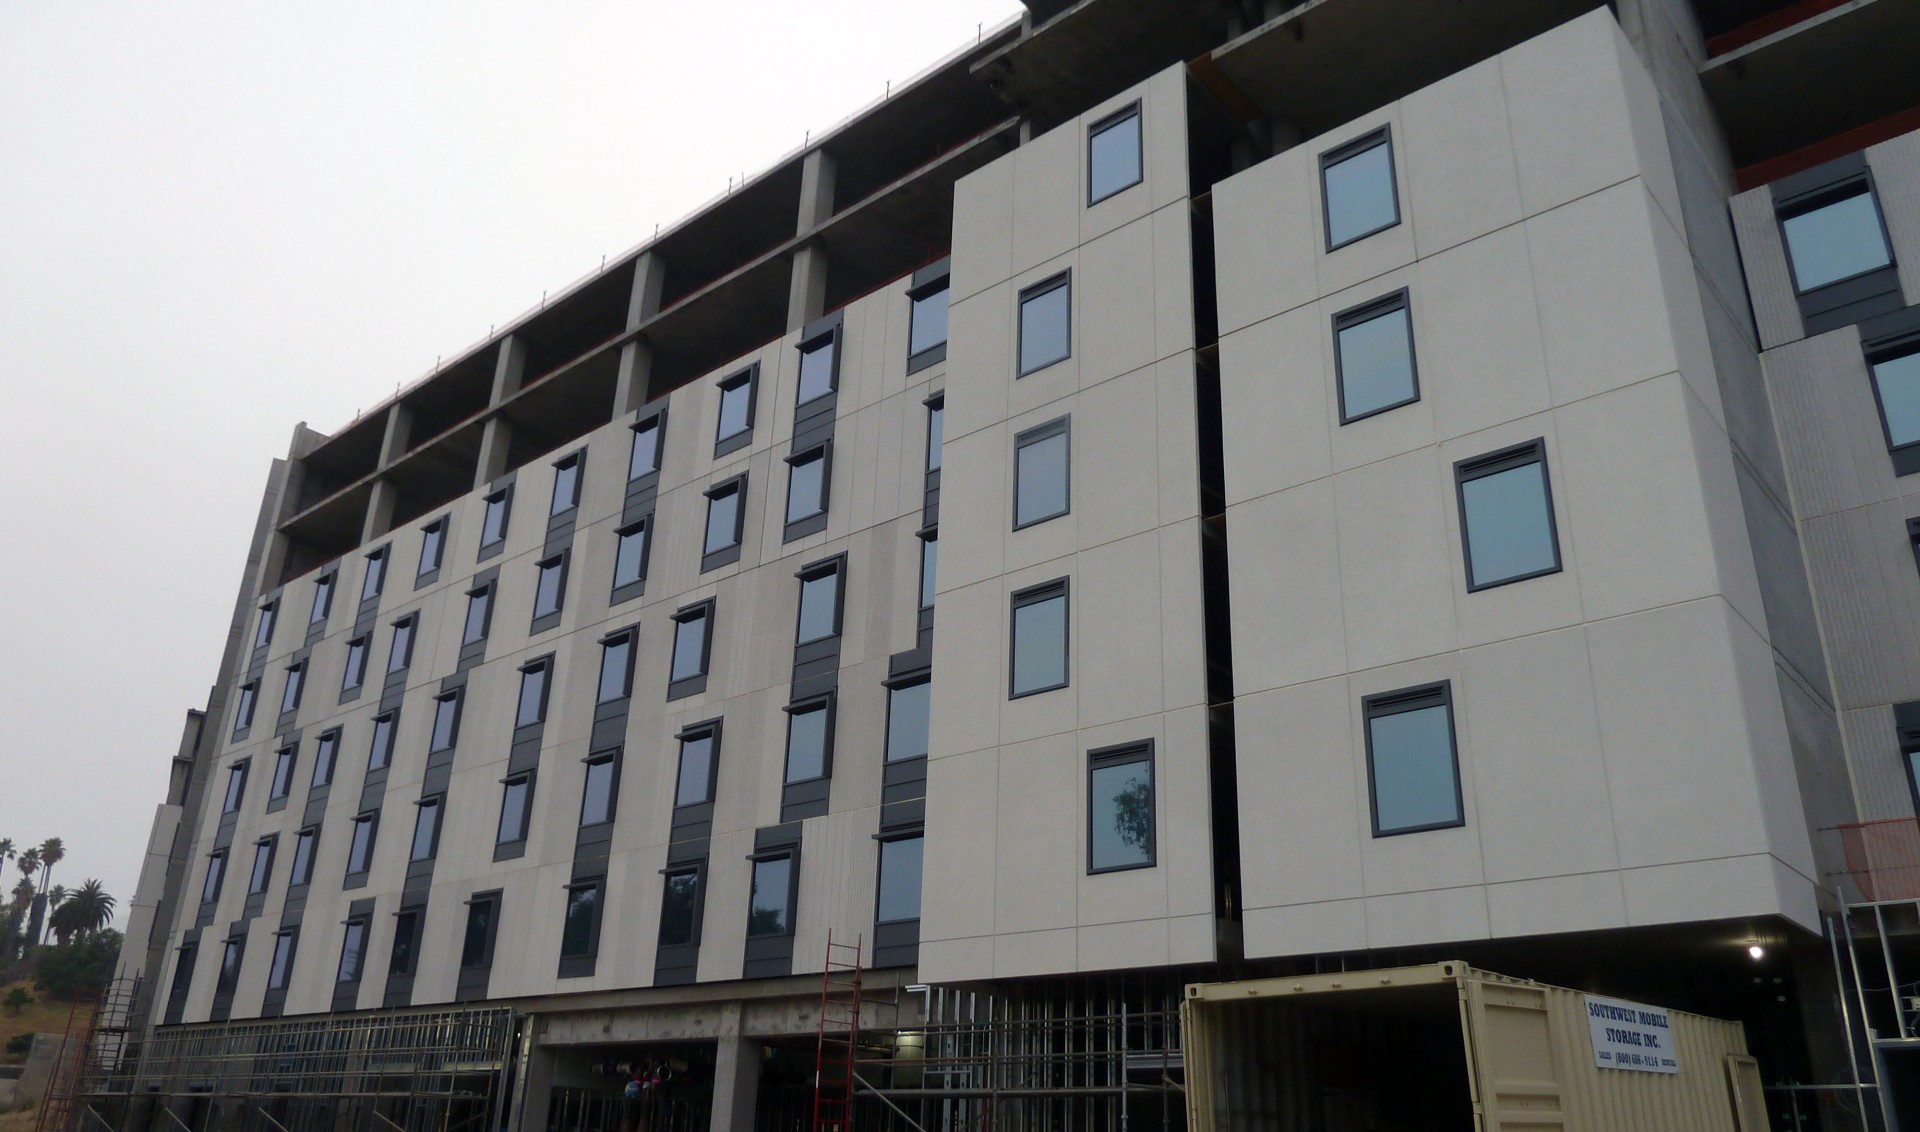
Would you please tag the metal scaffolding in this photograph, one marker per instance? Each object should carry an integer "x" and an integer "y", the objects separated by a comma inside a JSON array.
[{"x": 426, "y": 1069}]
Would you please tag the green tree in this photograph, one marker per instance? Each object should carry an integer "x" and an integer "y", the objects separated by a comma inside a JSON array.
[
  {"x": 86, "y": 909},
  {"x": 83, "y": 967},
  {"x": 6, "y": 853},
  {"x": 17, "y": 1000},
  {"x": 52, "y": 852}
]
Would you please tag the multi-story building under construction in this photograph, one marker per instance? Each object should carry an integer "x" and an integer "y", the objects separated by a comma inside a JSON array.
[{"x": 1182, "y": 490}]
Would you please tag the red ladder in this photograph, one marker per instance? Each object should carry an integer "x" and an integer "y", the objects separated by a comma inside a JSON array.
[
  {"x": 839, "y": 1030},
  {"x": 63, "y": 1082}
]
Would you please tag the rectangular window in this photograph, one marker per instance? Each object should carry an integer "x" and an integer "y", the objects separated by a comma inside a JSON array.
[
  {"x": 400, "y": 654},
  {"x": 630, "y": 556},
  {"x": 691, "y": 640},
  {"x": 1046, "y": 322},
  {"x": 680, "y": 908},
  {"x": 356, "y": 668},
  {"x": 406, "y": 942},
  {"x": 810, "y": 739},
  {"x": 230, "y": 966},
  {"x": 322, "y": 599},
  {"x": 1120, "y": 808},
  {"x": 807, "y": 483},
  {"x": 282, "y": 783},
  {"x": 380, "y": 749},
  {"x": 1506, "y": 516},
  {"x": 549, "y": 587},
  {"x": 280, "y": 971},
  {"x": 1413, "y": 767},
  {"x": 262, "y": 874},
  {"x": 1039, "y": 639},
  {"x": 360, "y": 848},
  {"x": 644, "y": 456},
  {"x": 908, "y": 706},
  {"x": 216, "y": 875},
  {"x": 1373, "y": 358},
  {"x": 820, "y": 605},
  {"x": 819, "y": 366},
  {"x": 375, "y": 579},
  {"x": 936, "y": 431},
  {"x": 768, "y": 911},
  {"x": 736, "y": 412},
  {"x": 1041, "y": 473},
  {"x": 493, "y": 524},
  {"x": 1835, "y": 235},
  {"x": 243, "y": 711},
  {"x": 426, "y": 830},
  {"x": 353, "y": 951},
  {"x": 1357, "y": 192},
  {"x": 236, "y": 787},
  {"x": 516, "y": 805},
  {"x": 532, "y": 707},
  {"x": 303, "y": 843},
  {"x": 476, "y": 943},
  {"x": 446, "y": 722},
  {"x": 479, "y": 615},
  {"x": 577, "y": 929},
  {"x": 899, "y": 889},
  {"x": 1895, "y": 365},
  {"x": 695, "y": 783},
  {"x": 324, "y": 753},
  {"x": 929, "y": 567},
  {"x": 725, "y": 512},
  {"x": 566, "y": 486},
  {"x": 290, "y": 691},
  {"x": 1113, "y": 154},
  {"x": 433, "y": 538},
  {"x": 601, "y": 789},
  {"x": 616, "y": 668},
  {"x": 927, "y": 323},
  {"x": 263, "y": 629}
]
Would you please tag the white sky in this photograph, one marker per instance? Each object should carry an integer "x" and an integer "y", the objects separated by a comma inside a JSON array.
[{"x": 219, "y": 219}]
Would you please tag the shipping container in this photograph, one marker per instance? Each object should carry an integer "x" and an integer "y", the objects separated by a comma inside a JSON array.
[{"x": 1445, "y": 1047}]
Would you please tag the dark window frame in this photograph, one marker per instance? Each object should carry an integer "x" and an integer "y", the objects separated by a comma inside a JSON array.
[
  {"x": 1857, "y": 183},
  {"x": 909, "y": 680},
  {"x": 330, "y": 737},
  {"x": 714, "y": 557},
  {"x": 494, "y": 900},
  {"x": 456, "y": 697},
  {"x": 248, "y": 703},
  {"x": 1401, "y": 300},
  {"x": 285, "y": 760},
  {"x": 1131, "y": 110},
  {"x": 411, "y": 622},
  {"x": 630, "y": 636},
  {"x": 929, "y": 584},
  {"x": 826, "y": 339},
  {"x": 561, "y": 564},
  {"x": 657, "y": 424},
  {"x": 608, "y": 755},
  {"x": 403, "y": 953},
  {"x": 1061, "y": 281},
  {"x": 296, "y": 875},
  {"x": 1034, "y": 595},
  {"x": 1126, "y": 754},
  {"x": 1493, "y": 463},
  {"x": 577, "y": 460},
  {"x": 813, "y": 521},
  {"x": 354, "y": 676},
  {"x": 698, "y": 870},
  {"x": 1365, "y": 143},
  {"x": 734, "y": 441},
  {"x": 598, "y": 886},
  {"x": 227, "y": 977},
  {"x": 791, "y": 910},
  {"x": 835, "y": 567},
  {"x": 1027, "y": 438},
  {"x": 382, "y": 557},
  {"x": 370, "y": 819},
  {"x": 518, "y": 778},
  {"x": 365, "y": 924},
  {"x": 936, "y": 352},
  {"x": 265, "y": 624},
  {"x": 1395, "y": 702},
  {"x": 643, "y": 528},
  {"x": 295, "y": 687},
  {"x": 432, "y": 535},
  {"x": 322, "y": 607},
  {"x": 827, "y": 702},
  {"x": 711, "y": 729},
  {"x": 482, "y": 593},
  {"x": 214, "y": 880},
  {"x": 383, "y": 751},
  {"x": 544, "y": 666},
  {"x": 270, "y": 845},
  {"x": 438, "y": 804},
  {"x": 705, "y": 612},
  {"x": 504, "y": 497},
  {"x": 236, "y": 795},
  {"x": 936, "y": 410},
  {"x": 889, "y": 837},
  {"x": 1875, "y": 351},
  {"x": 279, "y": 971}
]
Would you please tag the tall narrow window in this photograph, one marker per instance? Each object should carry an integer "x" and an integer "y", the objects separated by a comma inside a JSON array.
[
  {"x": 601, "y": 788},
  {"x": 680, "y": 908},
  {"x": 936, "y": 431},
  {"x": 1835, "y": 235},
  {"x": 1506, "y": 516},
  {"x": 1113, "y": 154},
  {"x": 929, "y": 567},
  {"x": 446, "y": 722},
  {"x": 355, "y": 673},
  {"x": 1041, "y": 474},
  {"x": 353, "y": 951},
  {"x": 819, "y": 367},
  {"x": 324, "y": 752},
  {"x": 1373, "y": 358},
  {"x": 400, "y": 655},
  {"x": 426, "y": 829},
  {"x": 819, "y": 602},
  {"x": 380, "y": 749},
  {"x": 406, "y": 942},
  {"x": 532, "y": 707},
  {"x": 807, "y": 483},
  {"x": 303, "y": 843},
  {"x": 566, "y": 486},
  {"x": 243, "y": 711},
  {"x": 616, "y": 667},
  {"x": 1413, "y": 768},
  {"x": 549, "y": 588},
  {"x": 691, "y": 650},
  {"x": 375, "y": 579},
  {"x": 899, "y": 889},
  {"x": 695, "y": 784},
  {"x": 579, "y": 927},
  {"x": 262, "y": 874},
  {"x": 630, "y": 560},
  {"x": 1120, "y": 808},
  {"x": 516, "y": 805},
  {"x": 263, "y": 629},
  {"x": 280, "y": 971},
  {"x": 433, "y": 538},
  {"x": 360, "y": 847},
  {"x": 216, "y": 875},
  {"x": 282, "y": 783},
  {"x": 1895, "y": 364},
  {"x": 724, "y": 516},
  {"x": 230, "y": 965},
  {"x": 476, "y": 943},
  {"x": 1045, "y": 324},
  {"x": 736, "y": 413},
  {"x": 810, "y": 739},
  {"x": 290, "y": 691},
  {"x": 493, "y": 523},
  {"x": 644, "y": 456},
  {"x": 1357, "y": 191},
  {"x": 479, "y": 614},
  {"x": 769, "y": 909},
  {"x": 1039, "y": 639},
  {"x": 236, "y": 787},
  {"x": 907, "y": 713},
  {"x": 927, "y": 325},
  {"x": 322, "y": 599}
]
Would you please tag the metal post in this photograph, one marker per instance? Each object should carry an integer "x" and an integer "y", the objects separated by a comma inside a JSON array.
[{"x": 1893, "y": 981}]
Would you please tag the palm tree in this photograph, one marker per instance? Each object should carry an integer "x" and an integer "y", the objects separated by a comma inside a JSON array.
[
  {"x": 52, "y": 852},
  {"x": 6, "y": 852},
  {"x": 85, "y": 910},
  {"x": 29, "y": 863}
]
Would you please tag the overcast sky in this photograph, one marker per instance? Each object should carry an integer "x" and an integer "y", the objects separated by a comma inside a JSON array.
[{"x": 217, "y": 220}]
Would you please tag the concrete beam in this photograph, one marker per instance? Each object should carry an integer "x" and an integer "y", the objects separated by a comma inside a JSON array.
[
  {"x": 630, "y": 390},
  {"x": 736, "y": 1079}
]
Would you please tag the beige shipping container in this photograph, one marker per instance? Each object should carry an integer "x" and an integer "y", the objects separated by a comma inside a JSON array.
[{"x": 1445, "y": 1047}]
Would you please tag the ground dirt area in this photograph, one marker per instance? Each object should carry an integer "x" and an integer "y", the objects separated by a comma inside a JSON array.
[
  {"x": 48, "y": 1017},
  {"x": 17, "y": 1121}
]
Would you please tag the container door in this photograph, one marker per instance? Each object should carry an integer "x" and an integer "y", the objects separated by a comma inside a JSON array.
[
  {"x": 1749, "y": 1100},
  {"x": 1510, "y": 1048}
]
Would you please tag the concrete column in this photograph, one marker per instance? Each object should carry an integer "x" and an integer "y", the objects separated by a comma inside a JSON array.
[
  {"x": 393, "y": 445},
  {"x": 736, "y": 1075},
  {"x": 509, "y": 368},
  {"x": 807, "y": 295},
  {"x": 631, "y": 388},
  {"x": 535, "y": 1090}
]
